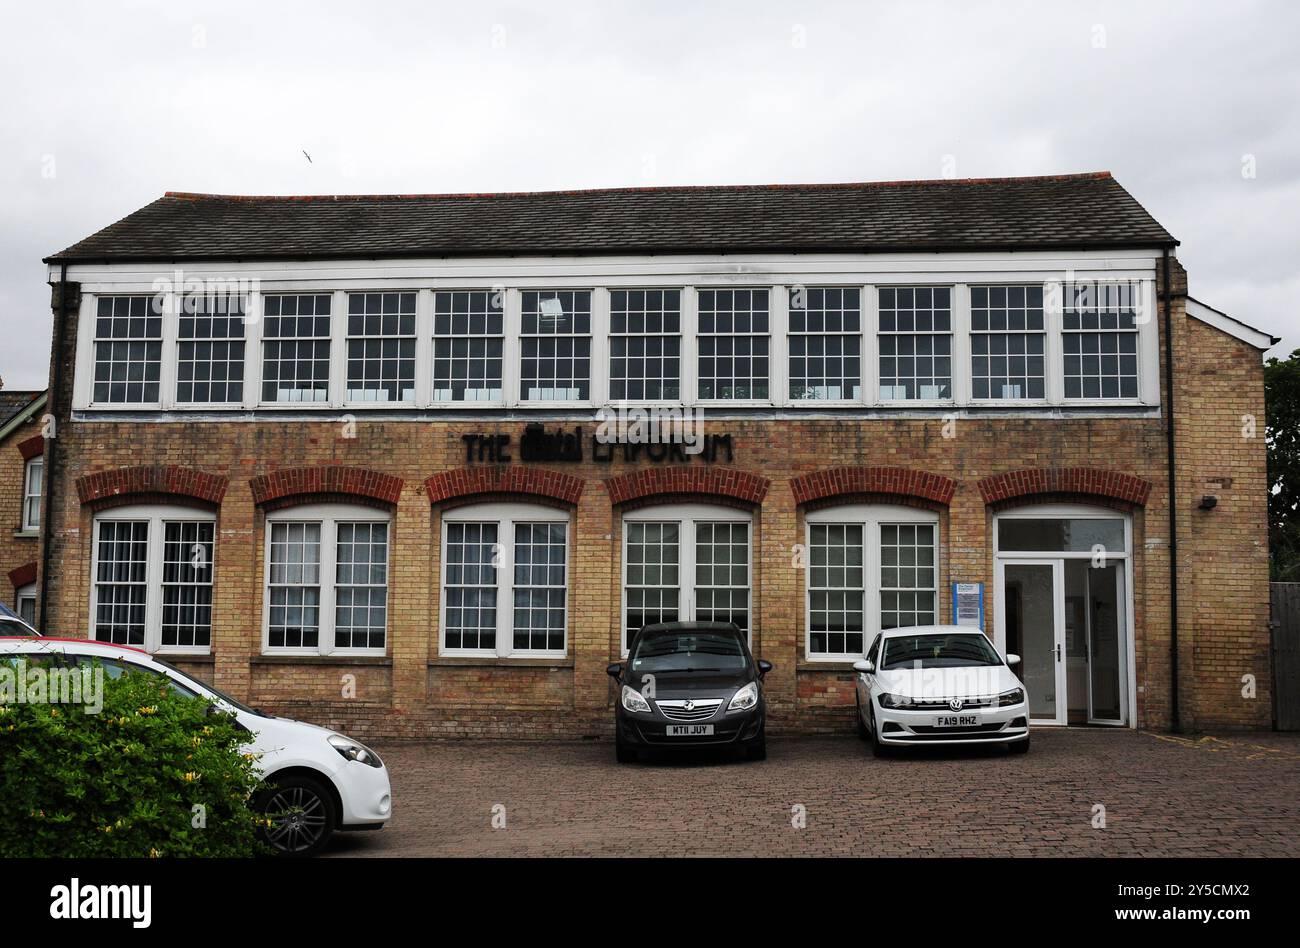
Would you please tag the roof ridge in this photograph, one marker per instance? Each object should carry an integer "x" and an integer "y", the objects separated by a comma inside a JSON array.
[{"x": 656, "y": 189}]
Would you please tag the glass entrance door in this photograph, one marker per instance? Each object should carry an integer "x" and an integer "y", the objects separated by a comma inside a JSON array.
[
  {"x": 1106, "y": 625},
  {"x": 1031, "y": 605}
]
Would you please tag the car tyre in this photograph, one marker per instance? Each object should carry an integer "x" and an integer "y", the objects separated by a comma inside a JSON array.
[
  {"x": 757, "y": 748},
  {"x": 1019, "y": 747},
  {"x": 303, "y": 816}
]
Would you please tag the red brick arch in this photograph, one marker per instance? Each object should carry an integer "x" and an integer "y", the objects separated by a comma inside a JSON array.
[
  {"x": 1069, "y": 482},
  {"x": 331, "y": 482},
  {"x": 165, "y": 483},
  {"x": 723, "y": 482},
  {"x": 882, "y": 482},
  {"x": 31, "y": 447},
  {"x": 527, "y": 481}
]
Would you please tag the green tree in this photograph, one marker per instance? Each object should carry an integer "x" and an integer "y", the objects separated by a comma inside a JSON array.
[{"x": 1282, "y": 401}]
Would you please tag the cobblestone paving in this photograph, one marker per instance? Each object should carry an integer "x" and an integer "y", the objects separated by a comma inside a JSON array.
[{"x": 1231, "y": 795}]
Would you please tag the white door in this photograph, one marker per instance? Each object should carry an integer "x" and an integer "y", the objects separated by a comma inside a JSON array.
[{"x": 1031, "y": 623}]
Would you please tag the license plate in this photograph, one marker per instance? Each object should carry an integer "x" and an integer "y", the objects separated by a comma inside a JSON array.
[
  {"x": 957, "y": 720},
  {"x": 690, "y": 730}
]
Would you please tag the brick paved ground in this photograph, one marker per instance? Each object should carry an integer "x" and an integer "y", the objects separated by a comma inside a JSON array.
[{"x": 1164, "y": 796}]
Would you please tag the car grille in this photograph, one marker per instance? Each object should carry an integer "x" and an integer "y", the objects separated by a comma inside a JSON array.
[
  {"x": 699, "y": 711},
  {"x": 926, "y": 731},
  {"x": 941, "y": 704}
]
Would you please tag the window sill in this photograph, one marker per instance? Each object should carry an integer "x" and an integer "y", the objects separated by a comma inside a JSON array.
[
  {"x": 470, "y": 661},
  {"x": 190, "y": 658},
  {"x": 380, "y": 660},
  {"x": 21, "y": 534},
  {"x": 836, "y": 665}
]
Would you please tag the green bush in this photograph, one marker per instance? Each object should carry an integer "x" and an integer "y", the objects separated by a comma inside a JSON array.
[{"x": 127, "y": 781}]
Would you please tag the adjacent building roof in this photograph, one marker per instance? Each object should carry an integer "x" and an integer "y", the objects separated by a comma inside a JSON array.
[
  {"x": 1231, "y": 325},
  {"x": 1080, "y": 211},
  {"x": 14, "y": 404}
]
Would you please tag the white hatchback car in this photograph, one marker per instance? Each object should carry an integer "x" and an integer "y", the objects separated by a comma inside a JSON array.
[
  {"x": 316, "y": 780},
  {"x": 941, "y": 684}
]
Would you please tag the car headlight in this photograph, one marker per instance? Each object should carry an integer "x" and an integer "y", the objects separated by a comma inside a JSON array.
[
  {"x": 354, "y": 750},
  {"x": 634, "y": 701},
  {"x": 745, "y": 698},
  {"x": 894, "y": 701},
  {"x": 1014, "y": 696}
]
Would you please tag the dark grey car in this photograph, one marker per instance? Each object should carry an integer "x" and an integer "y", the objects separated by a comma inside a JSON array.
[{"x": 690, "y": 685}]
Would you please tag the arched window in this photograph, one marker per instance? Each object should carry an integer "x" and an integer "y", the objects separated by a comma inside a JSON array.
[
  {"x": 326, "y": 580},
  {"x": 505, "y": 581},
  {"x": 684, "y": 562},
  {"x": 868, "y": 568},
  {"x": 152, "y": 574}
]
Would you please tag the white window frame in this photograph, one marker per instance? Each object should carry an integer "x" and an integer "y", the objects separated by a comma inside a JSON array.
[
  {"x": 871, "y": 517},
  {"x": 25, "y": 593},
  {"x": 687, "y": 517},
  {"x": 157, "y": 516},
  {"x": 348, "y": 339},
  {"x": 335, "y": 380},
  {"x": 428, "y": 330},
  {"x": 610, "y": 336},
  {"x": 598, "y": 330},
  {"x": 329, "y": 516},
  {"x": 505, "y": 516},
  {"x": 956, "y": 329},
  {"x": 32, "y": 524},
  {"x": 777, "y": 276},
  {"x": 865, "y": 318}
]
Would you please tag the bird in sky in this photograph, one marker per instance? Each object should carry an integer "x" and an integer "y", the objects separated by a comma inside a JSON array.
[{"x": 307, "y": 156}]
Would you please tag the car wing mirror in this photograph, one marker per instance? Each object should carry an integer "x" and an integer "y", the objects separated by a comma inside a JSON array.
[
  {"x": 1013, "y": 658},
  {"x": 614, "y": 669},
  {"x": 764, "y": 666},
  {"x": 865, "y": 666}
]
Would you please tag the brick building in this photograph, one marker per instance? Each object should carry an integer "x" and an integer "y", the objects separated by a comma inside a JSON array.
[
  {"x": 22, "y": 467},
  {"x": 414, "y": 465}
]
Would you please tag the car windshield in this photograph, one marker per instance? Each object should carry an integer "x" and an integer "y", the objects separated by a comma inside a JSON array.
[
  {"x": 938, "y": 650},
  {"x": 687, "y": 650},
  {"x": 204, "y": 686}
]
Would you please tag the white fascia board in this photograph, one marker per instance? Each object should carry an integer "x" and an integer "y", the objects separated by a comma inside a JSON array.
[
  {"x": 27, "y": 412},
  {"x": 1233, "y": 327}
]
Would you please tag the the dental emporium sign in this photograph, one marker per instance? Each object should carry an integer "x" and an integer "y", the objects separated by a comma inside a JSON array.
[{"x": 658, "y": 435}]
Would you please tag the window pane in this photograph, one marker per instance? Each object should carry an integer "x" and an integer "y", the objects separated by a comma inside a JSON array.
[
  {"x": 652, "y": 588},
  {"x": 1008, "y": 342},
  {"x": 210, "y": 350},
  {"x": 539, "y": 586},
  {"x": 915, "y": 342},
  {"x": 470, "y": 586},
  {"x": 826, "y": 343},
  {"x": 121, "y": 578},
  {"x": 733, "y": 344},
  {"x": 908, "y": 575},
  {"x": 128, "y": 349},
  {"x": 645, "y": 344},
  {"x": 555, "y": 346},
  {"x": 836, "y": 590},
  {"x": 361, "y": 585},
  {"x": 294, "y": 590},
  {"x": 32, "y": 486},
  {"x": 187, "y": 583},
  {"x": 1100, "y": 340},
  {"x": 381, "y": 347},
  {"x": 468, "y": 341},
  {"x": 1084, "y": 535},
  {"x": 722, "y": 573},
  {"x": 296, "y": 348}
]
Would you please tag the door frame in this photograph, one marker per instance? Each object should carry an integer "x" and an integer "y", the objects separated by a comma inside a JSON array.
[
  {"x": 1121, "y": 600},
  {"x": 1128, "y": 677},
  {"x": 1057, "y": 566}
]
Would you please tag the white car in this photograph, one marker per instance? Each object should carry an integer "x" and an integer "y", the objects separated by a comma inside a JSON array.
[
  {"x": 316, "y": 780},
  {"x": 939, "y": 684}
]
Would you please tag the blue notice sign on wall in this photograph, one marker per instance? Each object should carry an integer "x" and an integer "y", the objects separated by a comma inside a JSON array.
[{"x": 968, "y": 604}]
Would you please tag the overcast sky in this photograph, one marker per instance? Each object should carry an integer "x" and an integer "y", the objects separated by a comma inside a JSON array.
[{"x": 1195, "y": 107}]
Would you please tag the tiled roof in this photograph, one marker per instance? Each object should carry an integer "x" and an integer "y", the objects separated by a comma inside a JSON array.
[
  {"x": 1065, "y": 211},
  {"x": 11, "y": 403}
]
